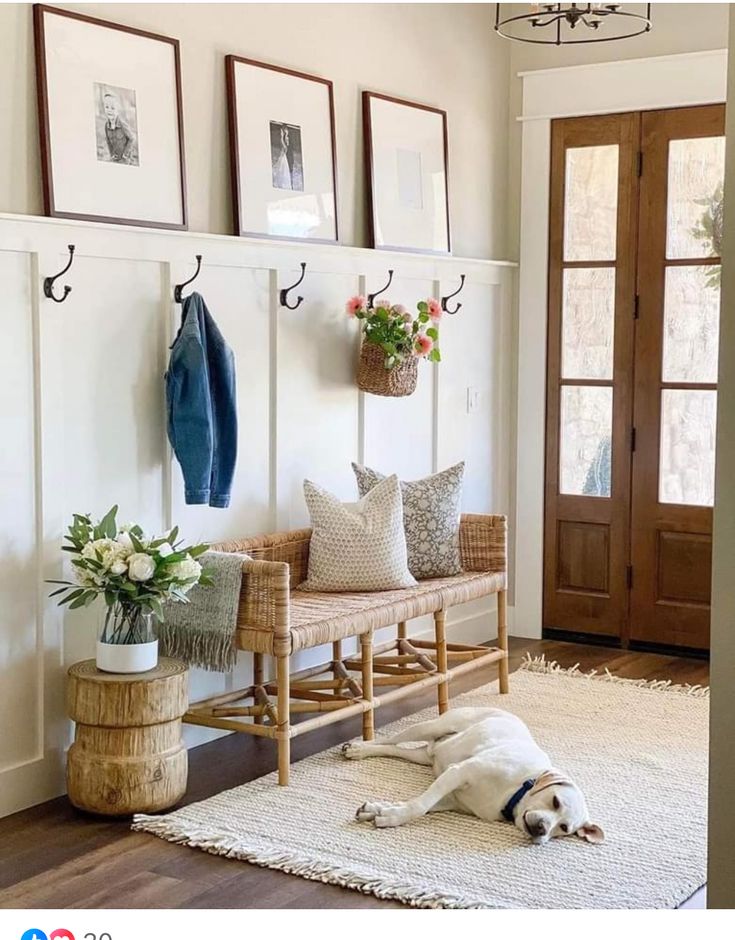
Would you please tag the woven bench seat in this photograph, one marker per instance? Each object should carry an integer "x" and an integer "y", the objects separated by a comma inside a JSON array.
[
  {"x": 318, "y": 618},
  {"x": 276, "y": 619}
]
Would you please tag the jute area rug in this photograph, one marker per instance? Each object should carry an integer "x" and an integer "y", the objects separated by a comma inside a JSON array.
[{"x": 638, "y": 750}]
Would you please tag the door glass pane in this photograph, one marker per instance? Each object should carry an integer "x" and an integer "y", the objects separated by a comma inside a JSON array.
[
  {"x": 696, "y": 175},
  {"x": 687, "y": 461},
  {"x": 691, "y": 323},
  {"x": 588, "y": 319},
  {"x": 586, "y": 440},
  {"x": 591, "y": 203}
]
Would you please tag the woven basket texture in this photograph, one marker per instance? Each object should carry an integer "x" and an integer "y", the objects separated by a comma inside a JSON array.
[{"x": 373, "y": 377}]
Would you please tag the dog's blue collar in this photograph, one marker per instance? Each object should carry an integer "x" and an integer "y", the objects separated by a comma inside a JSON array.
[{"x": 509, "y": 808}]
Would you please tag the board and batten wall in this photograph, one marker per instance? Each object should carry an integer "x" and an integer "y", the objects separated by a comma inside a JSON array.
[
  {"x": 442, "y": 54},
  {"x": 83, "y": 424}
]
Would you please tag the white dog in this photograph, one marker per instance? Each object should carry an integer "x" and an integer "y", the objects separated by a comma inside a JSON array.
[{"x": 487, "y": 764}]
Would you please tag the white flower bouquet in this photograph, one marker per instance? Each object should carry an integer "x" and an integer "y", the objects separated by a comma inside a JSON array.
[{"x": 134, "y": 574}]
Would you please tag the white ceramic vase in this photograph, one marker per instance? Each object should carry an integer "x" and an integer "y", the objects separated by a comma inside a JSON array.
[
  {"x": 127, "y": 657},
  {"x": 127, "y": 642}
]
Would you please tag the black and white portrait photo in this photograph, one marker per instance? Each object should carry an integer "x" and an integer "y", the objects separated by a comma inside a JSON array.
[
  {"x": 116, "y": 124},
  {"x": 286, "y": 161}
]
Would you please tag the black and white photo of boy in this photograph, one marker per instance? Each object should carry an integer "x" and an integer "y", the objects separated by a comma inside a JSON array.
[
  {"x": 116, "y": 124},
  {"x": 287, "y": 168}
]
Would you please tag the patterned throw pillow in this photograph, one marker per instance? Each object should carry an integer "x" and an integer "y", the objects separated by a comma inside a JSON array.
[
  {"x": 431, "y": 510},
  {"x": 357, "y": 546}
]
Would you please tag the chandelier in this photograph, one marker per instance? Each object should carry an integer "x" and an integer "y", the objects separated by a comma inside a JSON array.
[{"x": 561, "y": 24}]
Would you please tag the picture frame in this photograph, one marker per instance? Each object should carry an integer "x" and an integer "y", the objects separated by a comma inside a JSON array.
[
  {"x": 110, "y": 121},
  {"x": 283, "y": 152},
  {"x": 407, "y": 161}
]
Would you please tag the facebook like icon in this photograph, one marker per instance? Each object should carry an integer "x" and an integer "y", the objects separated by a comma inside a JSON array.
[{"x": 34, "y": 935}]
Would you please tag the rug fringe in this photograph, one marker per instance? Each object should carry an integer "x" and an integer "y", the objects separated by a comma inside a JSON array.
[
  {"x": 539, "y": 664},
  {"x": 230, "y": 846}
]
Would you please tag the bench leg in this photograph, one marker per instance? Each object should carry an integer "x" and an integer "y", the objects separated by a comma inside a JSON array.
[
  {"x": 402, "y": 630},
  {"x": 503, "y": 641},
  {"x": 368, "y": 717},
  {"x": 282, "y": 735},
  {"x": 258, "y": 679},
  {"x": 441, "y": 659}
]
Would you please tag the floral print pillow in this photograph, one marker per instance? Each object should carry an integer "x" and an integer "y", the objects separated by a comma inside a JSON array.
[{"x": 431, "y": 510}]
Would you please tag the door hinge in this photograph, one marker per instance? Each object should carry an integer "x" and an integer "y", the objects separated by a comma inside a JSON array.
[
  {"x": 640, "y": 163},
  {"x": 637, "y": 306},
  {"x": 629, "y": 576},
  {"x": 632, "y": 439}
]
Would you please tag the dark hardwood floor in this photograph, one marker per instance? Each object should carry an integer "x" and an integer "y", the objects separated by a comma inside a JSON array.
[{"x": 52, "y": 856}]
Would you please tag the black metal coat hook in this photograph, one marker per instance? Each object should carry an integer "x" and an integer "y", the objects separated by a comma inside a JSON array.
[
  {"x": 179, "y": 287},
  {"x": 445, "y": 308},
  {"x": 48, "y": 282},
  {"x": 371, "y": 297},
  {"x": 284, "y": 292}
]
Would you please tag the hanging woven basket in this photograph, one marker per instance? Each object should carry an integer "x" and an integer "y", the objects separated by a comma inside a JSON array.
[{"x": 373, "y": 377}]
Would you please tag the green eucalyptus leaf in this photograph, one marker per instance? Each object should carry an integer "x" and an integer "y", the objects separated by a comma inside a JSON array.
[
  {"x": 137, "y": 544},
  {"x": 108, "y": 525}
]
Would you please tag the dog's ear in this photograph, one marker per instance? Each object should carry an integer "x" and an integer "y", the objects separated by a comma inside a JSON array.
[{"x": 591, "y": 833}]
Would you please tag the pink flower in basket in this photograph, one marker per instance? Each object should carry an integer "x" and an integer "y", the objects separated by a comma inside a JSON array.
[
  {"x": 424, "y": 344},
  {"x": 354, "y": 304},
  {"x": 435, "y": 308}
]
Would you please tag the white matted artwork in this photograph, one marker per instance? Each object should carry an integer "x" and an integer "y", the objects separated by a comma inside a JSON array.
[
  {"x": 110, "y": 120},
  {"x": 282, "y": 152},
  {"x": 406, "y": 153}
]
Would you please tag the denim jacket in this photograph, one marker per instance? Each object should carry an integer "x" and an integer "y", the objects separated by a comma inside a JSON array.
[{"x": 200, "y": 397}]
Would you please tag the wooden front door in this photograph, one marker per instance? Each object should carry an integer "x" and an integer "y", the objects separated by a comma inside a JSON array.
[
  {"x": 676, "y": 375},
  {"x": 636, "y": 214}
]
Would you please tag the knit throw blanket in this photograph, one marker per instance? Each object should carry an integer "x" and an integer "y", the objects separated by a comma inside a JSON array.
[{"x": 202, "y": 632}]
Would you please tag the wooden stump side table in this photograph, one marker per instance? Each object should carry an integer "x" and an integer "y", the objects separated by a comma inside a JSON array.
[{"x": 128, "y": 755}]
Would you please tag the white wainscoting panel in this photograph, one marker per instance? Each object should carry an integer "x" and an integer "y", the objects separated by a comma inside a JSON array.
[
  {"x": 399, "y": 432},
  {"x": 84, "y": 424},
  {"x": 317, "y": 415},
  {"x": 21, "y": 686},
  {"x": 112, "y": 430}
]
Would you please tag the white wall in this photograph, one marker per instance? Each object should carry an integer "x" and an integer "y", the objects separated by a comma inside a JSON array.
[
  {"x": 442, "y": 54},
  {"x": 721, "y": 867},
  {"x": 84, "y": 425}
]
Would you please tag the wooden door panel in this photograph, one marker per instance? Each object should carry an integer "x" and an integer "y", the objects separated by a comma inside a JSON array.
[
  {"x": 684, "y": 561},
  {"x": 590, "y": 337},
  {"x": 584, "y": 557},
  {"x": 675, "y": 376}
]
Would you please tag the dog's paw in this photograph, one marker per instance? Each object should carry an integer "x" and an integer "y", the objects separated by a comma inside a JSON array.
[
  {"x": 368, "y": 811},
  {"x": 352, "y": 750},
  {"x": 389, "y": 819},
  {"x": 382, "y": 815}
]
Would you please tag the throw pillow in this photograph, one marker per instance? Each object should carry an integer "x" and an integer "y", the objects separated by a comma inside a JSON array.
[
  {"x": 431, "y": 511},
  {"x": 357, "y": 546}
]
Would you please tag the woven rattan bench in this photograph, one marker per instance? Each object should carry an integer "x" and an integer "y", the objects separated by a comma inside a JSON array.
[{"x": 276, "y": 619}]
